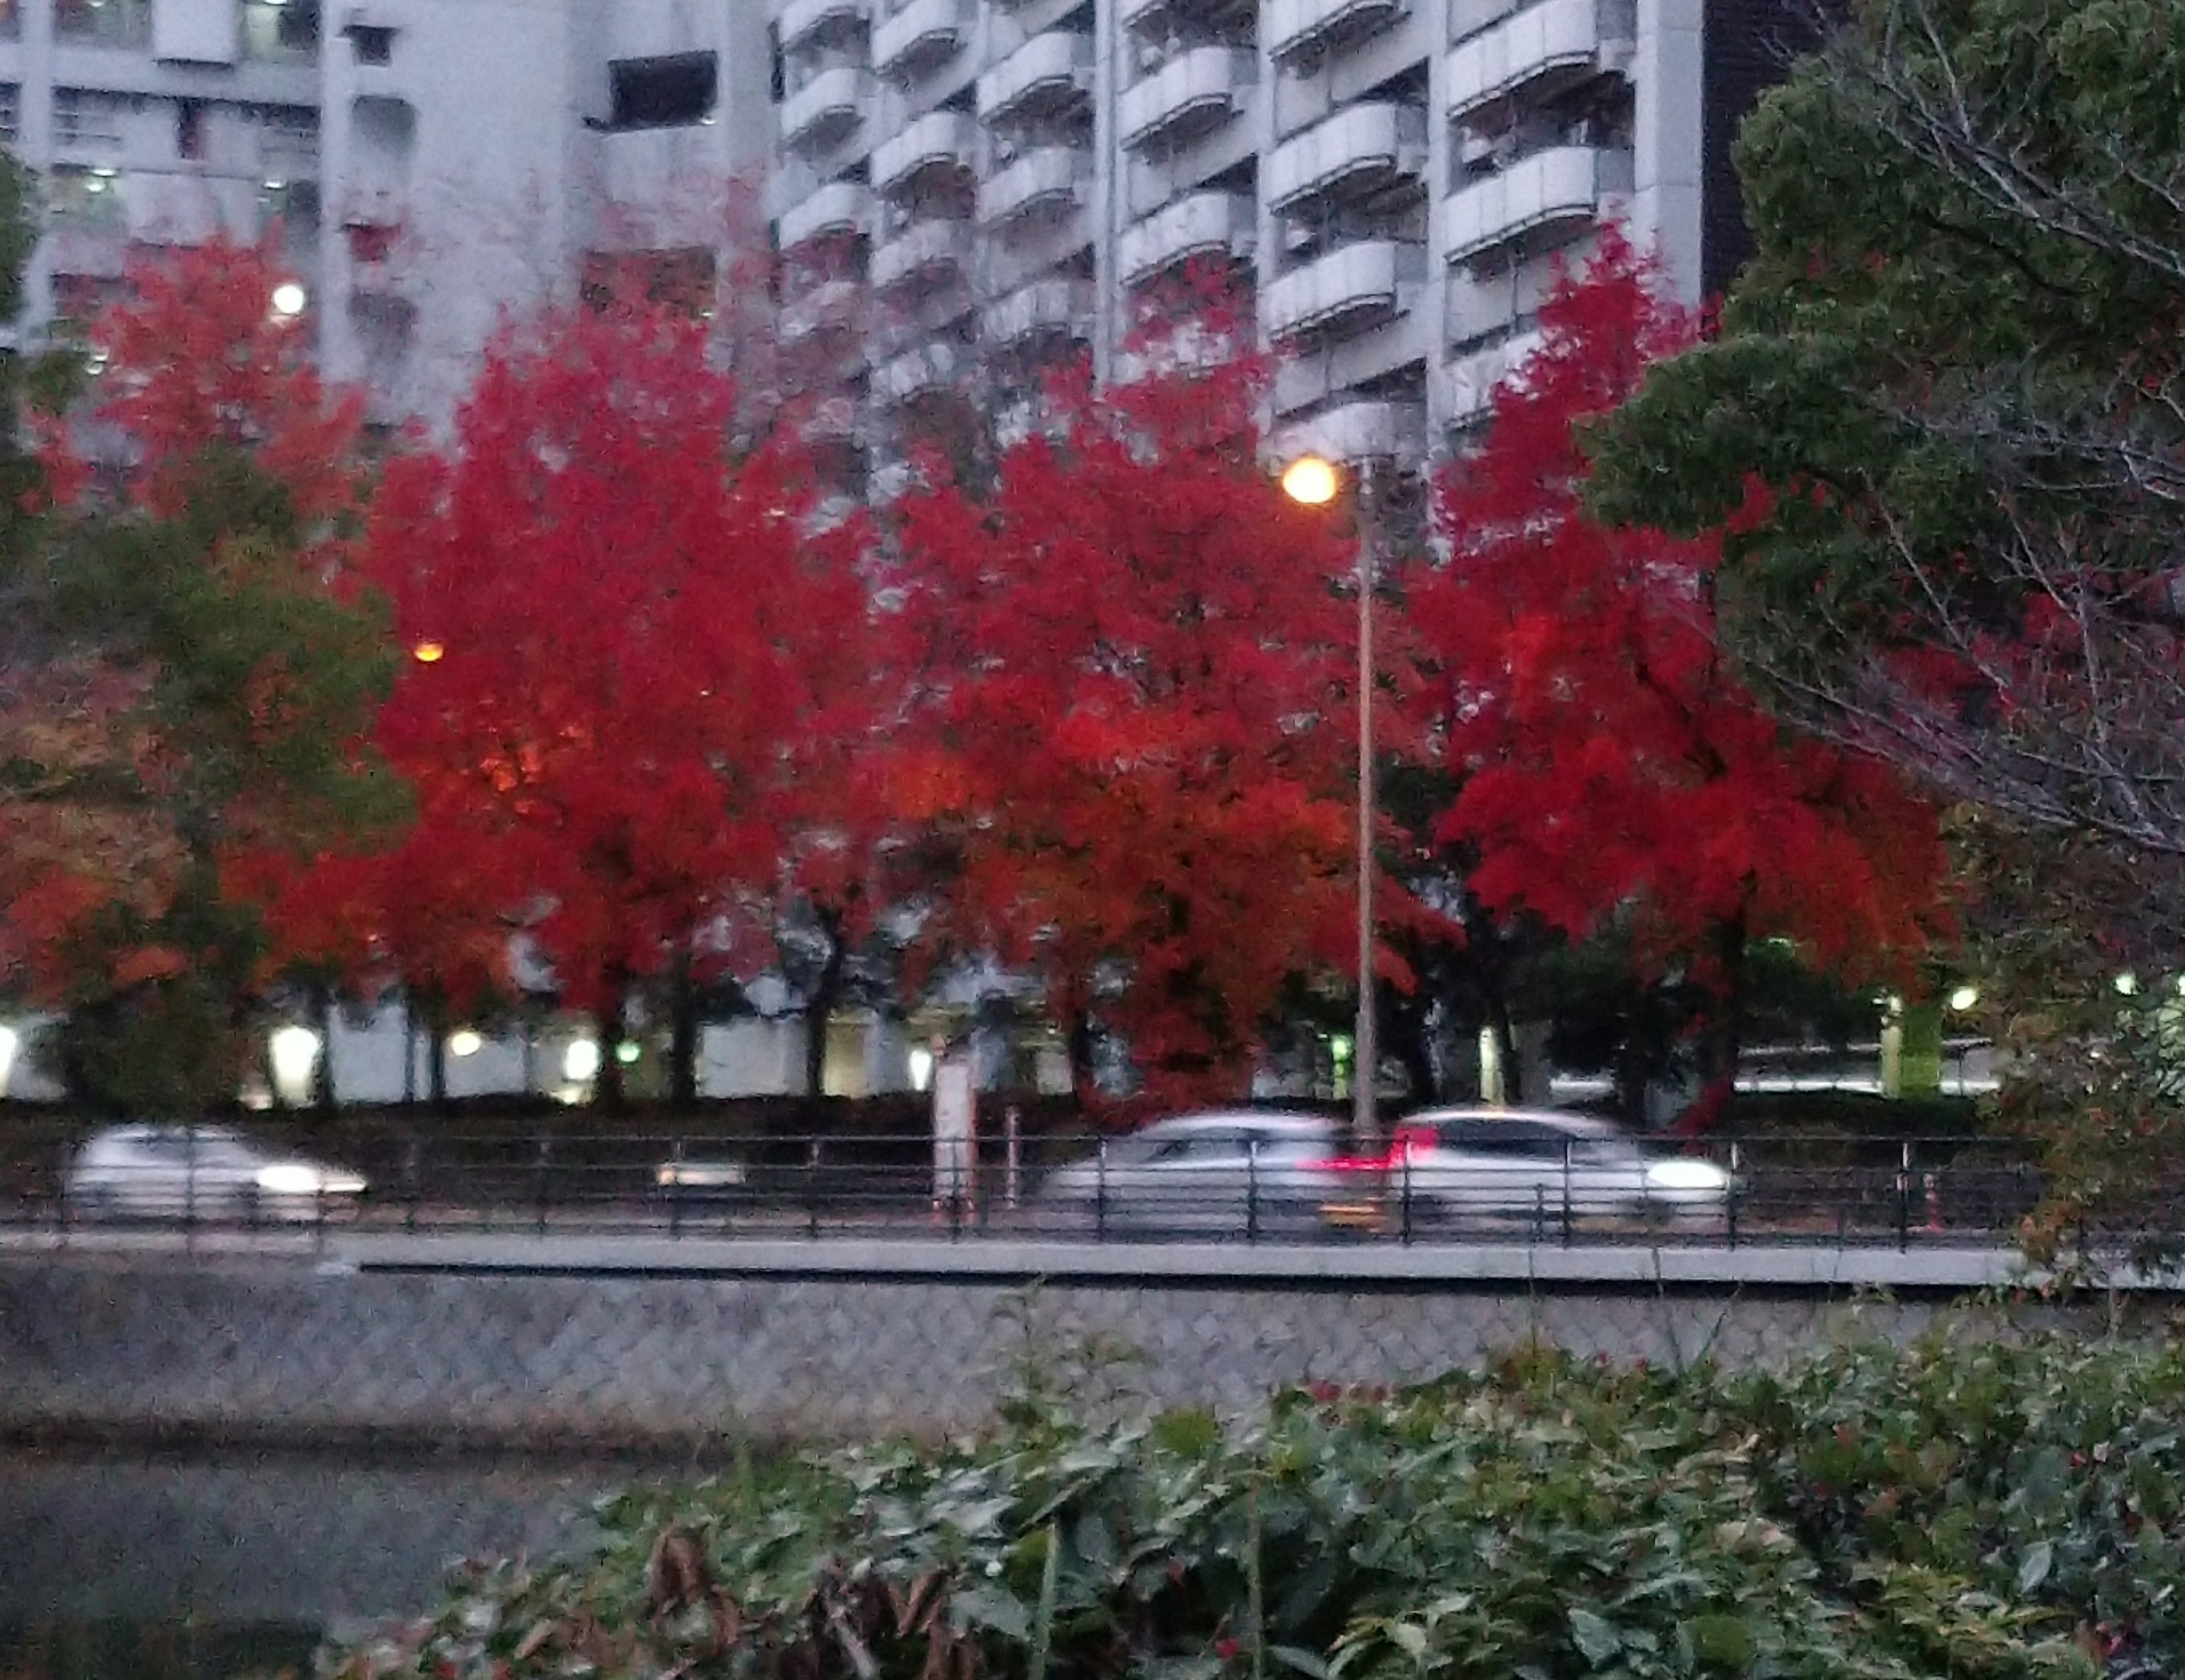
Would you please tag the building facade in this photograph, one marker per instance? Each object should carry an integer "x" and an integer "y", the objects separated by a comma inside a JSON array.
[
  {"x": 432, "y": 162},
  {"x": 1395, "y": 179}
]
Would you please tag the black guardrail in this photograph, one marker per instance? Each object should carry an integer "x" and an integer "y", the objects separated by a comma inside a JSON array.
[{"x": 1843, "y": 1190}]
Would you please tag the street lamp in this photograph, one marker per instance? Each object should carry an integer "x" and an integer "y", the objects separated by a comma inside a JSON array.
[{"x": 1313, "y": 481}]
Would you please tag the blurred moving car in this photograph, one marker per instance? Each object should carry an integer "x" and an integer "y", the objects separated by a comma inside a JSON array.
[
  {"x": 718, "y": 1184},
  {"x": 1243, "y": 1174},
  {"x": 201, "y": 1172},
  {"x": 1459, "y": 1166}
]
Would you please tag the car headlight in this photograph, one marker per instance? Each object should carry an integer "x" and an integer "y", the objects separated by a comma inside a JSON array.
[
  {"x": 1686, "y": 1175},
  {"x": 301, "y": 1178}
]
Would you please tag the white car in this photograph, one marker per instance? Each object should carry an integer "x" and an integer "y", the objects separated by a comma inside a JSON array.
[
  {"x": 1543, "y": 1168},
  {"x": 170, "y": 1172},
  {"x": 1243, "y": 1174}
]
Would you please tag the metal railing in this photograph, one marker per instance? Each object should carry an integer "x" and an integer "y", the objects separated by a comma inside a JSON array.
[{"x": 1849, "y": 1192}]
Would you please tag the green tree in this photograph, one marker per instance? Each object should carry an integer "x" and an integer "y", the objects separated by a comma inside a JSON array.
[
  {"x": 191, "y": 578},
  {"x": 1944, "y": 420}
]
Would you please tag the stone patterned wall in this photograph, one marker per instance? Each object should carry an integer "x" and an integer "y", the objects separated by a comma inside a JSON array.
[{"x": 284, "y": 1353}]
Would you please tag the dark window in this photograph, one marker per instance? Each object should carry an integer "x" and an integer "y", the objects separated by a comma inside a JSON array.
[
  {"x": 296, "y": 27},
  {"x": 663, "y": 92},
  {"x": 189, "y": 129},
  {"x": 373, "y": 43}
]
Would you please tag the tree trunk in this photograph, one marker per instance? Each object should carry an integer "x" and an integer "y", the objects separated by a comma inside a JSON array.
[
  {"x": 682, "y": 1036},
  {"x": 435, "y": 1012},
  {"x": 1505, "y": 1049},
  {"x": 1083, "y": 1085},
  {"x": 1722, "y": 1037},
  {"x": 610, "y": 1090},
  {"x": 322, "y": 1071},
  {"x": 819, "y": 1003}
]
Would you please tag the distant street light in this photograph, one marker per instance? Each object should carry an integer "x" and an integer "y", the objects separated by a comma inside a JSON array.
[
  {"x": 289, "y": 299},
  {"x": 429, "y": 653},
  {"x": 1314, "y": 482}
]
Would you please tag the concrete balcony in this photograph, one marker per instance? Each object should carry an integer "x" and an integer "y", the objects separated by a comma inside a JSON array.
[
  {"x": 1049, "y": 75},
  {"x": 1350, "y": 289},
  {"x": 1545, "y": 198},
  {"x": 1467, "y": 389},
  {"x": 925, "y": 371},
  {"x": 821, "y": 114},
  {"x": 840, "y": 210},
  {"x": 1297, "y": 30},
  {"x": 830, "y": 307},
  {"x": 911, "y": 44},
  {"x": 1537, "y": 52},
  {"x": 1357, "y": 432},
  {"x": 939, "y": 143},
  {"x": 1157, "y": 20},
  {"x": 832, "y": 422},
  {"x": 1360, "y": 151},
  {"x": 1193, "y": 93},
  {"x": 926, "y": 254},
  {"x": 1201, "y": 224},
  {"x": 1047, "y": 182},
  {"x": 1047, "y": 309},
  {"x": 821, "y": 23}
]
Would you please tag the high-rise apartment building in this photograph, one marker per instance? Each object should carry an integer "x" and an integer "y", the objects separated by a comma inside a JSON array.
[
  {"x": 1398, "y": 178},
  {"x": 957, "y": 186},
  {"x": 432, "y": 162}
]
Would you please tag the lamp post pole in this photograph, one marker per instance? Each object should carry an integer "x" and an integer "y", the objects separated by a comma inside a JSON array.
[
  {"x": 1314, "y": 483},
  {"x": 1365, "y": 1060}
]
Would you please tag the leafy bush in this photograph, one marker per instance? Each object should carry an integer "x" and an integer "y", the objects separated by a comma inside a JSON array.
[{"x": 1976, "y": 1511}]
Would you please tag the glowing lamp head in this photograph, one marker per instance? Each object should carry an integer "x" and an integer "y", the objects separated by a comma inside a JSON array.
[
  {"x": 1309, "y": 480},
  {"x": 289, "y": 299},
  {"x": 429, "y": 653}
]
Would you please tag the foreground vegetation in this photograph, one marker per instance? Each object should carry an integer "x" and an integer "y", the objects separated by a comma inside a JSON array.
[{"x": 1980, "y": 1510}]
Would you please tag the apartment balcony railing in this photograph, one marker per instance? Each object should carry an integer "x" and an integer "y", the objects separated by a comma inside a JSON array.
[
  {"x": 940, "y": 141},
  {"x": 1348, "y": 289},
  {"x": 1046, "y": 182},
  {"x": 1201, "y": 224},
  {"x": 1053, "y": 307},
  {"x": 924, "y": 371},
  {"x": 1361, "y": 150},
  {"x": 840, "y": 210},
  {"x": 822, "y": 113},
  {"x": 1359, "y": 431},
  {"x": 911, "y": 44},
  {"x": 1552, "y": 192},
  {"x": 1048, "y": 74},
  {"x": 1304, "y": 29},
  {"x": 812, "y": 22},
  {"x": 1537, "y": 51},
  {"x": 925, "y": 253},
  {"x": 1467, "y": 389},
  {"x": 829, "y": 306},
  {"x": 1193, "y": 93},
  {"x": 1157, "y": 19}
]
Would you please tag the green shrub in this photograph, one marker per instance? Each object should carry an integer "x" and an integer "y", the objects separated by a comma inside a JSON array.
[{"x": 1955, "y": 1511}]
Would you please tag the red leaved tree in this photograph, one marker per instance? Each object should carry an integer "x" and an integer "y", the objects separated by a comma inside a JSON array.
[
  {"x": 613, "y": 612},
  {"x": 1612, "y": 765},
  {"x": 1130, "y": 720}
]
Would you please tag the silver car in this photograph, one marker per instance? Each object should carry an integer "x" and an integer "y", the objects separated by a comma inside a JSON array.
[
  {"x": 170, "y": 1172},
  {"x": 1222, "y": 1175},
  {"x": 1543, "y": 1168}
]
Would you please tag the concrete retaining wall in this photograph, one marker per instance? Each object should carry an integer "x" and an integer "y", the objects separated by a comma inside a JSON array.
[{"x": 259, "y": 1349}]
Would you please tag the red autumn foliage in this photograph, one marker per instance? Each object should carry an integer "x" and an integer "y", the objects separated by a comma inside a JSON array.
[
  {"x": 1614, "y": 766},
  {"x": 628, "y": 626},
  {"x": 1131, "y": 664}
]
